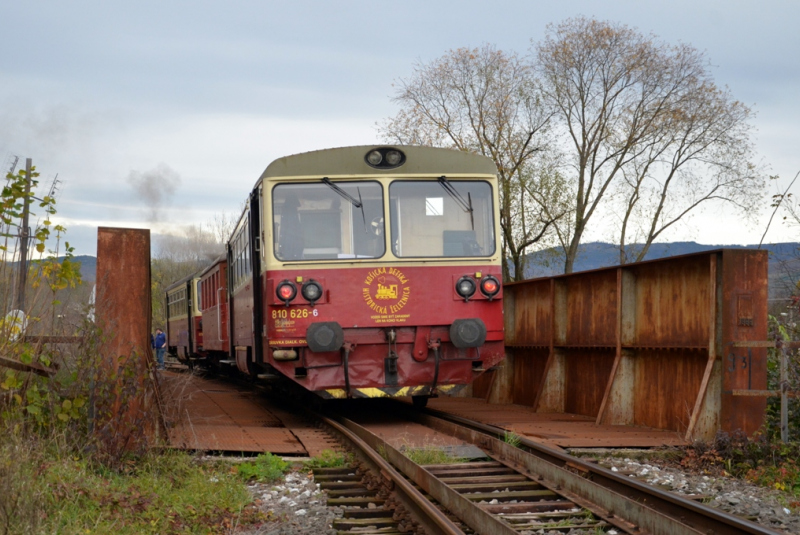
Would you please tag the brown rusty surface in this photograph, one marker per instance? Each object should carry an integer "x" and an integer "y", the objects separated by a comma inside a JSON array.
[
  {"x": 314, "y": 439},
  {"x": 529, "y": 366},
  {"x": 208, "y": 414},
  {"x": 122, "y": 312},
  {"x": 744, "y": 319},
  {"x": 672, "y": 303},
  {"x": 529, "y": 322},
  {"x": 591, "y": 309},
  {"x": 586, "y": 375},
  {"x": 403, "y": 434},
  {"x": 276, "y": 440},
  {"x": 560, "y": 429},
  {"x": 661, "y": 343},
  {"x": 672, "y": 377}
]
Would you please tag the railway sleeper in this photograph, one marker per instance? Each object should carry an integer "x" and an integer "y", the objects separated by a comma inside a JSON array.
[
  {"x": 524, "y": 495},
  {"x": 352, "y": 491},
  {"x": 339, "y": 485},
  {"x": 364, "y": 511},
  {"x": 489, "y": 486},
  {"x": 527, "y": 507},
  {"x": 464, "y": 472}
]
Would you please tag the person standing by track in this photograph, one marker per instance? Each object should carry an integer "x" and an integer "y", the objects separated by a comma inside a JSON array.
[{"x": 160, "y": 345}]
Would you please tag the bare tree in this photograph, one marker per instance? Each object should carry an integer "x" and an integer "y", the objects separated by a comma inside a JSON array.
[
  {"x": 645, "y": 122},
  {"x": 486, "y": 101}
]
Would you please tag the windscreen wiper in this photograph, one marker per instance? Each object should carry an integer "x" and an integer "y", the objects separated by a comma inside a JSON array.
[
  {"x": 358, "y": 203},
  {"x": 456, "y": 196}
]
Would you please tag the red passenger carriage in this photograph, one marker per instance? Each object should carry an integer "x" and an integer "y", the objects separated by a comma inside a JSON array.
[
  {"x": 214, "y": 310},
  {"x": 184, "y": 321}
]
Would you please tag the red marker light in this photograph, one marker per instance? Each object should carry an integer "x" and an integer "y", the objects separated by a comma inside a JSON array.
[
  {"x": 286, "y": 291},
  {"x": 490, "y": 286}
]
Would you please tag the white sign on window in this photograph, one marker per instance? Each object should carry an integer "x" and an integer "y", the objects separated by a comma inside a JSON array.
[{"x": 434, "y": 206}]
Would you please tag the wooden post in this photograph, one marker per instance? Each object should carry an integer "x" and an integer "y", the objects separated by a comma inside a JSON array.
[
  {"x": 784, "y": 390},
  {"x": 23, "y": 240}
]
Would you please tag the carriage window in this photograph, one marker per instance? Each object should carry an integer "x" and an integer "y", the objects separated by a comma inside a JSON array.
[
  {"x": 445, "y": 218},
  {"x": 319, "y": 221}
]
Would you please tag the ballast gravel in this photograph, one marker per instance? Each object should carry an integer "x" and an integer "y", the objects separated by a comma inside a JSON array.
[
  {"x": 768, "y": 507},
  {"x": 293, "y": 506},
  {"x": 297, "y": 506}
]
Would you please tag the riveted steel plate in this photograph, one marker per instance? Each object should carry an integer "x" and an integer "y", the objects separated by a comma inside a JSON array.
[
  {"x": 556, "y": 429},
  {"x": 208, "y": 414},
  {"x": 275, "y": 440}
]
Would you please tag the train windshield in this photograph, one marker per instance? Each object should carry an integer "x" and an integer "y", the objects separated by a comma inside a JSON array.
[
  {"x": 328, "y": 220},
  {"x": 446, "y": 218}
]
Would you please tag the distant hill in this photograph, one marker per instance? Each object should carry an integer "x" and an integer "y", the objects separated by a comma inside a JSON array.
[
  {"x": 599, "y": 254},
  {"x": 88, "y": 267},
  {"x": 784, "y": 260}
]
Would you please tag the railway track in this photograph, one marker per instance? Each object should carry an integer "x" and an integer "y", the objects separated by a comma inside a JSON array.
[{"x": 524, "y": 488}]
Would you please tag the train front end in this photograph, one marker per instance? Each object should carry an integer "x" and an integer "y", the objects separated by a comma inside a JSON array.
[{"x": 382, "y": 270}]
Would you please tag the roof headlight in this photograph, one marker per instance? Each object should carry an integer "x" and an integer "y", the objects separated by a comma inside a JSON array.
[
  {"x": 374, "y": 158},
  {"x": 393, "y": 157}
]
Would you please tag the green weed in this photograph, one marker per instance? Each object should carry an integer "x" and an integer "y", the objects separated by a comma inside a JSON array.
[
  {"x": 512, "y": 439},
  {"x": 328, "y": 459},
  {"x": 266, "y": 467},
  {"x": 431, "y": 454}
]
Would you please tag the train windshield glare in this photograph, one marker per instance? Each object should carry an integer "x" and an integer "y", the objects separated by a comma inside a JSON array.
[
  {"x": 449, "y": 218},
  {"x": 312, "y": 221}
]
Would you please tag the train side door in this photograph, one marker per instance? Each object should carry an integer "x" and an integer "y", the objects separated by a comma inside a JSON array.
[
  {"x": 255, "y": 255},
  {"x": 222, "y": 301}
]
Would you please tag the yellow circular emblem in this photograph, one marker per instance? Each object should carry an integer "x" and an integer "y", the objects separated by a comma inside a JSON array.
[{"x": 386, "y": 290}]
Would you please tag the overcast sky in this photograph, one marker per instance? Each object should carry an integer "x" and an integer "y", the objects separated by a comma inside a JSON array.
[{"x": 161, "y": 114}]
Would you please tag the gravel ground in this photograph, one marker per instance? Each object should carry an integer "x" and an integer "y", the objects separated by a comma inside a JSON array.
[
  {"x": 762, "y": 505},
  {"x": 293, "y": 506},
  {"x": 296, "y": 505}
]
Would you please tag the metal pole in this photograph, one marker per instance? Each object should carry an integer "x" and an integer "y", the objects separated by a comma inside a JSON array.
[
  {"x": 779, "y": 345},
  {"x": 23, "y": 239}
]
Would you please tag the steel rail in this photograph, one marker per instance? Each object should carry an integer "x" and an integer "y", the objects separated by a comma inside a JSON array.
[
  {"x": 422, "y": 510},
  {"x": 649, "y": 508},
  {"x": 468, "y": 512}
]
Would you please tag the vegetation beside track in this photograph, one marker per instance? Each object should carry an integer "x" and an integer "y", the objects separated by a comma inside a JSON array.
[{"x": 762, "y": 460}]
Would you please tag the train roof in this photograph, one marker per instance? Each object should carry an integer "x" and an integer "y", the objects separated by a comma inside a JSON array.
[
  {"x": 221, "y": 259},
  {"x": 352, "y": 161},
  {"x": 182, "y": 281}
]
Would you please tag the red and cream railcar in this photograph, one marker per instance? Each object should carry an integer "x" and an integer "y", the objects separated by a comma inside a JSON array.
[
  {"x": 370, "y": 271},
  {"x": 184, "y": 321},
  {"x": 213, "y": 302}
]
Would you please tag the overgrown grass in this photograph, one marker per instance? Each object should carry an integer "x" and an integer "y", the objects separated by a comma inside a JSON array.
[
  {"x": 761, "y": 459},
  {"x": 328, "y": 459},
  {"x": 47, "y": 489},
  {"x": 81, "y": 467}
]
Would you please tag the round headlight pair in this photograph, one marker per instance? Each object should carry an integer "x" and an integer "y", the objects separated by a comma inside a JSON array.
[
  {"x": 287, "y": 291},
  {"x": 385, "y": 158},
  {"x": 465, "y": 287}
]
